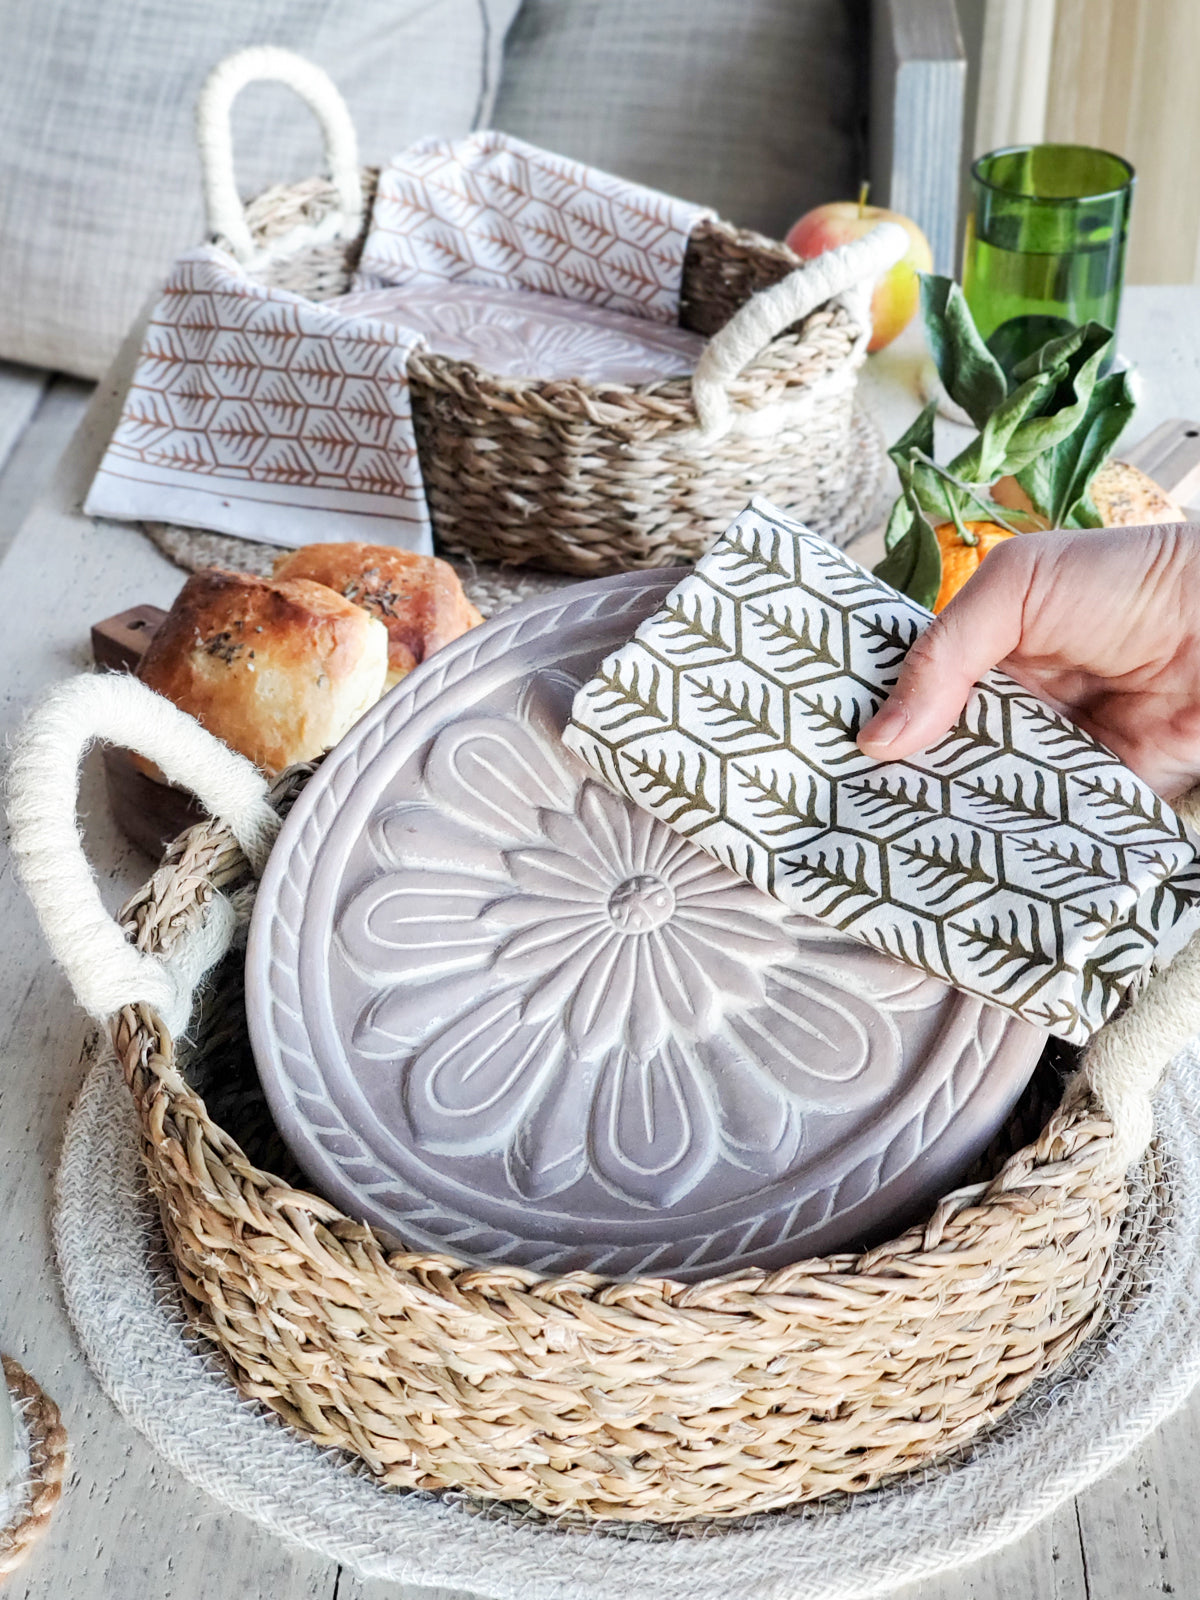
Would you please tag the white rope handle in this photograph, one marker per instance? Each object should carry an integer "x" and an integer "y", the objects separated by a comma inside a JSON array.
[
  {"x": 770, "y": 311},
  {"x": 214, "y": 134},
  {"x": 1126, "y": 1060},
  {"x": 105, "y": 971}
]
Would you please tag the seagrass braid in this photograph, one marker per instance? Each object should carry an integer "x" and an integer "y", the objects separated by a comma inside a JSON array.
[
  {"x": 638, "y": 1399},
  {"x": 706, "y": 1401},
  {"x": 47, "y": 1465}
]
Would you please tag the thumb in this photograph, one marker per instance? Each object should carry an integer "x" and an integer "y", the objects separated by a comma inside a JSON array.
[{"x": 976, "y": 631}]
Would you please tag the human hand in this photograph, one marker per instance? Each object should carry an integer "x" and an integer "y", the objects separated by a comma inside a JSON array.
[{"x": 1104, "y": 625}]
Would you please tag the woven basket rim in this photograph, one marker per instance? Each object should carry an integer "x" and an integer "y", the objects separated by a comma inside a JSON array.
[{"x": 665, "y": 398}]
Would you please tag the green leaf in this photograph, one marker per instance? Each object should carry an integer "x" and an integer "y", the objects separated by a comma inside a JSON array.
[
  {"x": 899, "y": 522},
  {"x": 918, "y": 437},
  {"x": 1072, "y": 348},
  {"x": 970, "y": 373},
  {"x": 1058, "y": 482},
  {"x": 989, "y": 455},
  {"x": 914, "y": 564},
  {"x": 944, "y": 497},
  {"x": 1067, "y": 405}
]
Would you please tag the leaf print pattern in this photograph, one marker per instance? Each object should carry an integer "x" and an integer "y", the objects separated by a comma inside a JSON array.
[
  {"x": 1016, "y": 858},
  {"x": 258, "y": 412},
  {"x": 493, "y": 210}
]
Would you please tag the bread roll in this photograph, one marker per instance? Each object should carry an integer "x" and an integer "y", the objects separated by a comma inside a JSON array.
[
  {"x": 418, "y": 599},
  {"x": 1126, "y": 498},
  {"x": 278, "y": 670}
]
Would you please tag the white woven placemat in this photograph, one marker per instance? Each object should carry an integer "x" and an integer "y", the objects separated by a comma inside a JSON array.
[{"x": 1066, "y": 1434}]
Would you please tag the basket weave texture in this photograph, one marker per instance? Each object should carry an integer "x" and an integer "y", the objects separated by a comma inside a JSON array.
[
  {"x": 47, "y": 1439},
  {"x": 593, "y": 481},
  {"x": 642, "y": 1399}
]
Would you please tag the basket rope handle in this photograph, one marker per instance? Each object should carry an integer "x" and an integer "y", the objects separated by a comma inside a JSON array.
[
  {"x": 765, "y": 315},
  {"x": 104, "y": 969},
  {"x": 214, "y": 135},
  {"x": 1125, "y": 1062}
]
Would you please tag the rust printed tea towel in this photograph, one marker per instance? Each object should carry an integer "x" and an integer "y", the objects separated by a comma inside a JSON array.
[
  {"x": 490, "y": 209},
  {"x": 258, "y": 412},
  {"x": 1016, "y": 858}
]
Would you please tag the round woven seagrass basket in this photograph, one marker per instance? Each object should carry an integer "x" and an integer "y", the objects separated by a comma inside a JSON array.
[
  {"x": 561, "y": 474},
  {"x": 640, "y": 1399}
]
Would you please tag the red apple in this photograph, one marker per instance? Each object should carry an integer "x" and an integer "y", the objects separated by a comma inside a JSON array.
[{"x": 897, "y": 295}]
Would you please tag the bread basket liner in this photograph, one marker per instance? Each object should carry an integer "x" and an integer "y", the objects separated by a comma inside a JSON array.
[
  {"x": 258, "y": 411},
  {"x": 637, "y": 1400}
]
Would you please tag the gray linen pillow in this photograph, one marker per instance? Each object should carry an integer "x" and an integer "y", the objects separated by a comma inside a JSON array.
[
  {"x": 750, "y": 106},
  {"x": 99, "y": 180}
]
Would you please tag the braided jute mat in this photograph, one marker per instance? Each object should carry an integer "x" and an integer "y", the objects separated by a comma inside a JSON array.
[
  {"x": 40, "y": 1461},
  {"x": 1064, "y": 1434},
  {"x": 493, "y": 588}
]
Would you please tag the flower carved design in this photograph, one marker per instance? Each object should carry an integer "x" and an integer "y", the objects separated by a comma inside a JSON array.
[
  {"x": 520, "y": 333},
  {"x": 562, "y": 979}
]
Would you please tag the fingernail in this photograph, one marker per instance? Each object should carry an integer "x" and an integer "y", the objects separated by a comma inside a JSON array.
[{"x": 884, "y": 728}]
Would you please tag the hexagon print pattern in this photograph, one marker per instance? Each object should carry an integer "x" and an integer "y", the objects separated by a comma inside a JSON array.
[
  {"x": 1016, "y": 858},
  {"x": 253, "y": 410}
]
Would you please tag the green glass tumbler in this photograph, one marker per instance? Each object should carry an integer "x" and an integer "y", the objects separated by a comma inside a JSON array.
[{"x": 1045, "y": 244}]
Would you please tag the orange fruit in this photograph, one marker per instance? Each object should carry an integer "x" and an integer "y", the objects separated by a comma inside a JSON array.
[{"x": 960, "y": 559}]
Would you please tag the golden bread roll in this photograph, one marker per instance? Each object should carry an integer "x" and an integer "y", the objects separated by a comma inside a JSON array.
[
  {"x": 1124, "y": 496},
  {"x": 418, "y": 599},
  {"x": 278, "y": 670}
]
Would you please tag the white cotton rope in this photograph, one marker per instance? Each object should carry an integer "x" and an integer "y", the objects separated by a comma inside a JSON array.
[
  {"x": 854, "y": 266},
  {"x": 214, "y": 135},
  {"x": 105, "y": 971},
  {"x": 1124, "y": 1063}
]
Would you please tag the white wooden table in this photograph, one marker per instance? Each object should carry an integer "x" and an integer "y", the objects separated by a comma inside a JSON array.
[{"x": 129, "y": 1526}]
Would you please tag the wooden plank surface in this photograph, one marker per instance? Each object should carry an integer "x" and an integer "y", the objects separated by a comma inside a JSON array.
[
  {"x": 38, "y": 415},
  {"x": 129, "y": 1526},
  {"x": 21, "y": 390}
]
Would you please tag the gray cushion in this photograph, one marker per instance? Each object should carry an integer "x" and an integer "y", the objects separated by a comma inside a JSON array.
[
  {"x": 99, "y": 181},
  {"x": 750, "y": 106}
]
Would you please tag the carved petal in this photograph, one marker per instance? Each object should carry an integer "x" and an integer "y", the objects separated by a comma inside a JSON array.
[
  {"x": 760, "y": 1122},
  {"x": 548, "y": 1152},
  {"x": 684, "y": 986},
  {"x": 737, "y": 933},
  {"x": 596, "y": 1017},
  {"x": 426, "y": 838},
  {"x": 647, "y": 1023},
  {"x": 653, "y": 1135},
  {"x": 542, "y": 946},
  {"x": 816, "y": 1034},
  {"x": 467, "y": 1090},
  {"x": 494, "y": 773},
  {"x": 556, "y": 874},
  {"x": 404, "y": 1013},
  {"x": 416, "y": 924},
  {"x": 584, "y": 835},
  {"x": 553, "y": 988}
]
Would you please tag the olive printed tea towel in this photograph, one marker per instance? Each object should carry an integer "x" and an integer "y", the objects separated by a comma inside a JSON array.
[{"x": 1016, "y": 859}]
